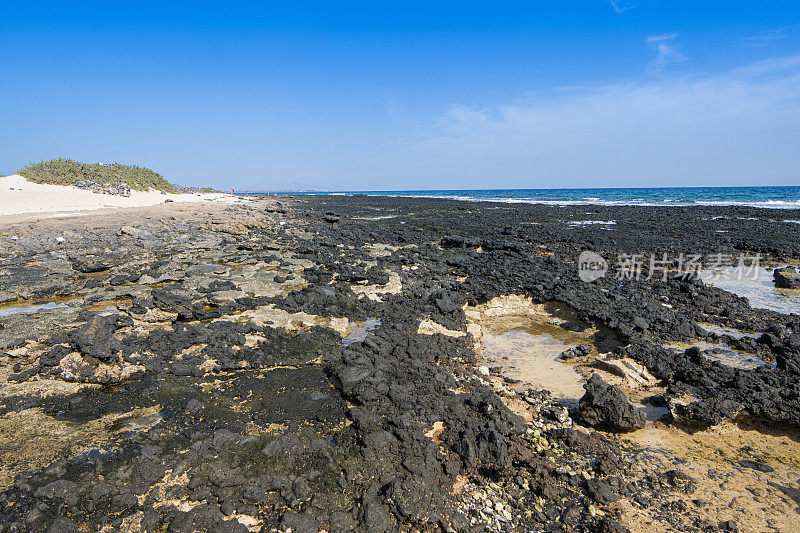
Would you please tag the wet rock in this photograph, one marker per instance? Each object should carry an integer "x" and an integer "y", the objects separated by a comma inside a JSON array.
[
  {"x": 606, "y": 406},
  {"x": 787, "y": 278}
]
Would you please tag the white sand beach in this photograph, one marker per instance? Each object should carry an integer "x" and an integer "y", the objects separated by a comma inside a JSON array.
[{"x": 20, "y": 196}]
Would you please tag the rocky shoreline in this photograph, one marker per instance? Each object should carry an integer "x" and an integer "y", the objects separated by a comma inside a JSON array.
[{"x": 320, "y": 363}]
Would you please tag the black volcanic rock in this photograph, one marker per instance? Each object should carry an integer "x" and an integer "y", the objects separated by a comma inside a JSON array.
[
  {"x": 786, "y": 278},
  {"x": 606, "y": 406},
  {"x": 96, "y": 339},
  {"x": 91, "y": 263},
  {"x": 300, "y": 431},
  {"x": 173, "y": 302}
]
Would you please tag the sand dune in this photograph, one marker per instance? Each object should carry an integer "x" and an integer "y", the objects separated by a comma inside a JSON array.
[{"x": 20, "y": 196}]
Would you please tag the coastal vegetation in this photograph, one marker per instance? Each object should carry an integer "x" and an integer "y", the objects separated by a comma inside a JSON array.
[{"x": 68, "y": 172}]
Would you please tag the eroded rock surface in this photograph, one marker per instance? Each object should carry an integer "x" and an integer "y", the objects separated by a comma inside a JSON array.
[{"x": 314, "y": 363}]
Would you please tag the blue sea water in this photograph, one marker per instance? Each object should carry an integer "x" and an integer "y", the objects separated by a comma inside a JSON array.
[{"x": 771, "y": 197}]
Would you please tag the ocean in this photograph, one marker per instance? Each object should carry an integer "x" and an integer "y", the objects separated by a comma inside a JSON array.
[{"x": 786, "y": 197}]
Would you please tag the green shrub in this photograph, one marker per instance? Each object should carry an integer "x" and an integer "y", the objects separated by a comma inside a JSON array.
[{"x": 69, "y": 172}]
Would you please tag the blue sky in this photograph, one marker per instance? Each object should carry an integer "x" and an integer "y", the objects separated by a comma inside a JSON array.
[{"x": 369, "y": 96}]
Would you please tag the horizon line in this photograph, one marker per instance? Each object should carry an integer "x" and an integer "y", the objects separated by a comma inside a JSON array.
[{"x": 264, "y": 191}]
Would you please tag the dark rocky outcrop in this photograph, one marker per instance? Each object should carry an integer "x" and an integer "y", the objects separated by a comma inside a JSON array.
[
  {"x": 606, "y": 406},
  {"x": 787, "y": 278}
]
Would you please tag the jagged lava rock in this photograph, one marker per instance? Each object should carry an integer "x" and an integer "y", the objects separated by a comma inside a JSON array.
[{"x": 606, "y": 406}]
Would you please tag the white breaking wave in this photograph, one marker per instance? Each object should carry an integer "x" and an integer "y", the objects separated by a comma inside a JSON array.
[{"x": 667, "y": 202}]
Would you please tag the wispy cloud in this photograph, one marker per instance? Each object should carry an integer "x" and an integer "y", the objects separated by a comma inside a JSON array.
[
  {"x": 766, "y": 38},
  {"x": 667, "y": 52},
  {"x": 621, "y": 6},
  {"x": 775, "y": 66},
  {"x": 460, "y": 119},
  {"x": 737, "y": 127}
]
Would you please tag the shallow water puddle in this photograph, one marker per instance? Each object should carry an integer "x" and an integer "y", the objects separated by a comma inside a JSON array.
[
  {"x": 731, "y": 332},
  {"x": 724, "y": 354},
  {"x": 533, "y": 360},
  {"x": 8, "y": 311},
  {"x": 108, "y": 305},
  {"x": 94, "y": 453},
  {"x": 755, "y": 284},
  {"x": 525, "y": 339},
  {"x": 360, "y": 330}
]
